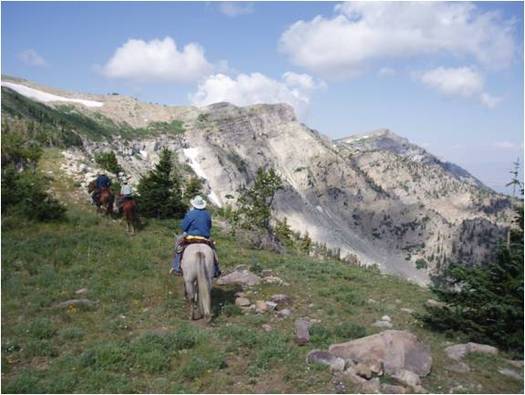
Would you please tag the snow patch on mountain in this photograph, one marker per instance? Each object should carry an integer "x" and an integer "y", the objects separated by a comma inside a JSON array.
[
  {"x": 192, "y": 154},
  {"x": 45, "y": 97}
]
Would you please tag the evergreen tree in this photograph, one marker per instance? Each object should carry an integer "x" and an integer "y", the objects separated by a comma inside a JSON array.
[
  {"x": 485, "y": 302},
  {"x": 255, "y": 203},
  {"x": 108, "y": 161},
  {"x": 160, "y": 190}
]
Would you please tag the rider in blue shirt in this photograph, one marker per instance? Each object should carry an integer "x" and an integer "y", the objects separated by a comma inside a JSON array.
[
  {"x": 101, "y": 183},
  {"x": 196, "y": 222}
]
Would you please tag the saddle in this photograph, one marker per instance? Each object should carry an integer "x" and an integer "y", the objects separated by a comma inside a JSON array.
[{"x": 198, "y": 240}]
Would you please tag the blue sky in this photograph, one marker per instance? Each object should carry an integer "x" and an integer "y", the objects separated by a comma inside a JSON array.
[{"x": 448, "y": 76}]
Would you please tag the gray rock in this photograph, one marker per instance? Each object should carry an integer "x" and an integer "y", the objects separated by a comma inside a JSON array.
[
  {"x": 242, "y": 302},
  {"x": 280, "y": 299},
  {"x": 434, "y": 303},
  {"x": 511, "y": 373},
  {"x": 392, "y": 389},
  {"x": 242, "y": 277},
  {"x": 363, "y": 370},
  {"x": 393, "y": 348},
  {"x": 382, "y": 324},
  {"x": 302, "y": 335},
  {"x": 352, "y": 375},
  {"x": 371, "y": 386},
  {"x": 271, "y": 305},
  {"x": 483, "y": 348},
  {"x": 386, "y": 318},
  {"x": 408, "y": 378},
  {"x": 516, "y": 364},
  {"x": 267, "y": 327},
  {"x": 325, "y": 358},
  {"x": 285, "y": 313},
  {"x": 261, "y": 306},
  {"x": 407, "y": 310},
  {"x": 266, "y": 272},
  {"x": 81, "y": 291},
  {"x": 458, "y": 351}
]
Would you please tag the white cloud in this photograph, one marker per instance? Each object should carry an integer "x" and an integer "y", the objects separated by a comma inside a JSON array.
[
  {"x": 461, "y": 81},
  {"x": 31, "y": 58},
  {"x": 361, "y": 32},
  {"x": 157, "y": 60},
  {"x": 488, "y": 100},
  {"x": 506, "y": 145},
  {"x": 235, "y": 8},
  {"x": 386, "y": 72},
  {"x": 246, "y": 89}
]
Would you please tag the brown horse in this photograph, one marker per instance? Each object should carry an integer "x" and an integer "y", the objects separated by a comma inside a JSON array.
[
  {"x": 129, "y": 209},
  {"x": 105, "y": 198}
]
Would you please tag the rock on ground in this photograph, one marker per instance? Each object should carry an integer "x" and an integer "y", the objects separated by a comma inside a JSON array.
[
  {"x": 408, "y": 378},
  {"x": 302, "y": 335},
  {"x": 242, "y": 302},
  {"x": 382, "y": 324},
  {"x": 511, "y": 373},
  {"x": 243, "y": 277},
  {"x": 326, "y": 358},
  {"x": 285, "y": 313},
  {"x": 392, "y": 389},
  {"x": 395, "y": 349},
  {"x": 280, "y": 299},
  {"x": 458, "y": 351}
]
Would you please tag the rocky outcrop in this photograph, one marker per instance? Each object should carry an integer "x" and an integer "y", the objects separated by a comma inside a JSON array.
[
  {"x": 394, "y": 349},
  {"x": 377, "y": 199}
]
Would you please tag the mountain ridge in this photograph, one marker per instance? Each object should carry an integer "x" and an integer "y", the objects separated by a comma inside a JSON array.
[{"x": 379, "y": 199}]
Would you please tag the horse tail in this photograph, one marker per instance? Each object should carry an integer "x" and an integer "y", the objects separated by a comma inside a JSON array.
[{"x": 203, "y": 281}]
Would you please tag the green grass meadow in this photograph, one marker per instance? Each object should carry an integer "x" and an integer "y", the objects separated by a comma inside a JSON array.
[{"x": 138, "y": 338}]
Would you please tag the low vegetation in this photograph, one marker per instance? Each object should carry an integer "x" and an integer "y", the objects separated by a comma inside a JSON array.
[{"x": 137, "y": 338}]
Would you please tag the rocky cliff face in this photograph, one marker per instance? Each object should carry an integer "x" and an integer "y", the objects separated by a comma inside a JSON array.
[{"x": 377, "y": 197}]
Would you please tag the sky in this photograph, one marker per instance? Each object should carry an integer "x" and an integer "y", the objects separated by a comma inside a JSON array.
[{"x": 446, "y": 75}]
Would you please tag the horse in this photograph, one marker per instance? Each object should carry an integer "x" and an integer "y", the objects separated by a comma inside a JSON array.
[
  {"x": 105, "y": 198},
  {"x": 129, "y": 209},
  {"x": 197, "y": 270}
]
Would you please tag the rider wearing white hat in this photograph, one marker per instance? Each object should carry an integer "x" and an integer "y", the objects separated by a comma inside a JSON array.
[{"x": 196, "y": 222}]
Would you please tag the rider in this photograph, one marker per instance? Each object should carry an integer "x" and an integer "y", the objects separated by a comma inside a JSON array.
[
  {"x": 196, "y": 222},
  {"x": 101, "y": 183},
  {"x": 126, "y": 192}
]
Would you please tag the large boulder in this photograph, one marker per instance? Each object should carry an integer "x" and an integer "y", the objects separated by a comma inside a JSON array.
[
  {"x": 243, "y": 277},
  {"x": 395, "y": 349}
]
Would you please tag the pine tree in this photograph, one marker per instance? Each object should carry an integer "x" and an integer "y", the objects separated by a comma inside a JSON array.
[
  {"x": 256, "y": 202},
  {"x": 159, "y": 191},
  {"x": 485, "y": 302}
]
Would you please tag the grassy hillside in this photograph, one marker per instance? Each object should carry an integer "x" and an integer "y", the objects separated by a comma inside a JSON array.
[
  {"x": 65, "y": 125},
  {"x": 138, "y": 338}
]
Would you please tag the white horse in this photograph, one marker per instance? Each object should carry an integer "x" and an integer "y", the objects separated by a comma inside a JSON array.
[{"x": 197, "y": 269}]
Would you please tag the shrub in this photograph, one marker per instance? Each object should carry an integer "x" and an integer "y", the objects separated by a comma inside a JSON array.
[
  {"x": 421, "y": 264},
  {"x": 108, "y": 161},
  {"x": 255, "y": 203}
]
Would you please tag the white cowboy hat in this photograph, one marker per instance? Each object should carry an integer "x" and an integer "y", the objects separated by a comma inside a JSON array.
[{"x": 198, "y": 202}]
